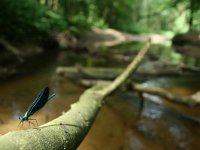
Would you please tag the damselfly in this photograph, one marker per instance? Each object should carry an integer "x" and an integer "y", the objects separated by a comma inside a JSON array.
[{"x": 37, "y": 104}]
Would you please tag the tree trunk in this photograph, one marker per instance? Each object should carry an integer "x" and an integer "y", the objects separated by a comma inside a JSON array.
[{"x": 191, "y": 14}]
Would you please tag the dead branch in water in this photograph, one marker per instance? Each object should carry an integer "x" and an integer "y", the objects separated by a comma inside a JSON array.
[{"x": 12, "y": 49}]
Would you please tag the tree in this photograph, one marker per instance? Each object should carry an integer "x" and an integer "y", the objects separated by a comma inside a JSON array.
[{"x": 20, "y": 18}]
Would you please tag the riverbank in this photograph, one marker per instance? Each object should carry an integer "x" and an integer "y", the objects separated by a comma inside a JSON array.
[{"x": 15, "y": 56}]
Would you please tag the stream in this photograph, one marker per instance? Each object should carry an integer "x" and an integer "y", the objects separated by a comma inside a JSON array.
[{"x": 120, "y": 125}]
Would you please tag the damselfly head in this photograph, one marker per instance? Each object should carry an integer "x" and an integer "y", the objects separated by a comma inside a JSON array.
[{"x": 23, "y": 117}]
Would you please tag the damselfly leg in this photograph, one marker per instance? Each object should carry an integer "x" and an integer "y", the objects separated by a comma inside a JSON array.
[
  {"x": 29, "y": 122},
  {"x": 32, "y": 122},
  {"x": 21, "y": 122}
]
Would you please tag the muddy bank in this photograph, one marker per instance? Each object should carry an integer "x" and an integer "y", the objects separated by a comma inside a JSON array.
[
  {"x": 188, "y": 44},
  {"x": 18, "y": 57}
]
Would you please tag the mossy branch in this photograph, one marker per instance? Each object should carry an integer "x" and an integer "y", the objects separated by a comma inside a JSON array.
[{"x": 68, "y": 130}]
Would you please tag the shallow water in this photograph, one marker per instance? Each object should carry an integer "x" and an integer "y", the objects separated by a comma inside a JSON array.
[
  {"x": 119, "y": 124},
  {"x": 18, "y": 94}
]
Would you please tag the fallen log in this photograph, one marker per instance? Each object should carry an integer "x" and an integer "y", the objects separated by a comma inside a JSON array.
[
  {"x": 149, "y": 70},
  {"x": 68, "y": 130},
  {"x": 188, "y": 100},
  {"x": 191, "y": 100},
  {"x": 88, "y": 73}
]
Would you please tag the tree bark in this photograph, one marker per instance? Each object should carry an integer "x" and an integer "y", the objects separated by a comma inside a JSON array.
[{"x": 68, "y": 130}]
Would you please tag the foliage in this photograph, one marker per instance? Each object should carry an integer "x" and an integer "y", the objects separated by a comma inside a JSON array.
[
  {"x": 20, "y": 19},
  {"x": 26, "y": 19},
  {"x": 193, "y": 8},
  {"x": 114, "y": 11},
  {"x": 81, "y": 14},
  {"x": 150, "y": 15}
]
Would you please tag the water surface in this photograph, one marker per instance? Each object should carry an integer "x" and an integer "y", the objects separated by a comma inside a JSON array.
[{"x": 120, "y": 124}]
